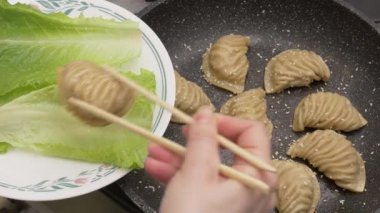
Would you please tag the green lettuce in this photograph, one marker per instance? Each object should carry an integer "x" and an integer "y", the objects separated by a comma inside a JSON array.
[
  {"x": 38, "y": 122},
  {"x": 33, "y": 45},
  {"x": 4, "y": 147}
]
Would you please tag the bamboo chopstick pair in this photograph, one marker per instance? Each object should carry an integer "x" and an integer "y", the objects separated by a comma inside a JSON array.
[{"x": 172, "y": 146}]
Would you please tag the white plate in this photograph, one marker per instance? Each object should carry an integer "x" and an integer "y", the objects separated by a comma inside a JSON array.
[{"x": 29, "y": 176}]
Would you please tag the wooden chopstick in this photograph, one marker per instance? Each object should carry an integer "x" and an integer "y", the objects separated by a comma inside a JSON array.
[
  {"x": 237, "y": 150},
  {"x": 168, "y": 144}
]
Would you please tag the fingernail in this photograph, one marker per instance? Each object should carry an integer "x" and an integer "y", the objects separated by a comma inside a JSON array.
[{"x": 204, "y": 115}]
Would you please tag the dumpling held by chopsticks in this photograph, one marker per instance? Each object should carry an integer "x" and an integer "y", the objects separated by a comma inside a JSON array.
[{"x": 91, "y": 83}]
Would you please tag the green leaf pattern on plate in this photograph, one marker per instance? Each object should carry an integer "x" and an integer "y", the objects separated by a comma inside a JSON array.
[
  {"x": 88, "y": 176},
  {"x": 72, "y": 8}
]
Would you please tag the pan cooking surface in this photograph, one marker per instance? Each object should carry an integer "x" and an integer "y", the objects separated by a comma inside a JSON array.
[{"x": 350, "y": 46}]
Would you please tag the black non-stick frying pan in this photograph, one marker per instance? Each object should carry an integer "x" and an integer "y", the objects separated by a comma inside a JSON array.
[{"x": 345, "y": 40}]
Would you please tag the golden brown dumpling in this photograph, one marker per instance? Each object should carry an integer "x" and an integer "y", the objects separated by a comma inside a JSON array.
[
  {"x": 189, "y": 97},
  {"x": 225, "y": 63},
  {"x": 333, "y": 155},
  {"x": 298, "y": 188},
  {"x": 294, "y": 68},
  {"x": 326, "y": 110},
  {"x": 250, "y": 105},
  {"x": 89, "y": 82}
]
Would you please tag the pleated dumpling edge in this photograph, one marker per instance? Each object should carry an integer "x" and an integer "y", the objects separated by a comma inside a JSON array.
[
  {"x": 189, "y": 97},
  {"x": 333, "y": 155},
  {"x": 327, "y": 110},
  {"x": 298, "y": 188},
  {"x": 294, "y": 68},
  {"x": 225, "y": 63},
  {"x": 251, "y": 105}
]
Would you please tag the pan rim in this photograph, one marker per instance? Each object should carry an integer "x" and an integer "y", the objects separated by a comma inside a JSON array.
[
  {"x": 359, "y": 13},
  {"x": 342, "y": 3}
]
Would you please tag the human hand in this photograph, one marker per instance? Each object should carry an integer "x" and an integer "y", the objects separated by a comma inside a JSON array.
[{"x": 194, "y": 183}]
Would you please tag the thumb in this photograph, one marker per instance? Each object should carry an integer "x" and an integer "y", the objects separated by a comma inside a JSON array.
[{"x": 202, "y": 157}]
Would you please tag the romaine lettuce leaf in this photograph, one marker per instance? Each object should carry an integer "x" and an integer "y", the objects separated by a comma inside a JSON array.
[
  {"x": 33, "y": 45},
  {"x": 38, "y": 122},
  {"x": 4, "y": 147}
]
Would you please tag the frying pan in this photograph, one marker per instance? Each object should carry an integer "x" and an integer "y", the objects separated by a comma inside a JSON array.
[{"x": 349, "y": 44}]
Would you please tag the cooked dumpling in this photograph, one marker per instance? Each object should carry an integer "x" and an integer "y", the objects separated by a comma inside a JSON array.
[
  {"x": 189, "y": 97},
  {"x": 298, "y": 188},
  {"x": 333, "y": 155},
  {"x": 89, "y": 82},
  {"x": 225, "y": 63},
  {"x": 326, "y": 110},
  {"x": 250, "y": 105},
  {"x": 294, "y": 68}
]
